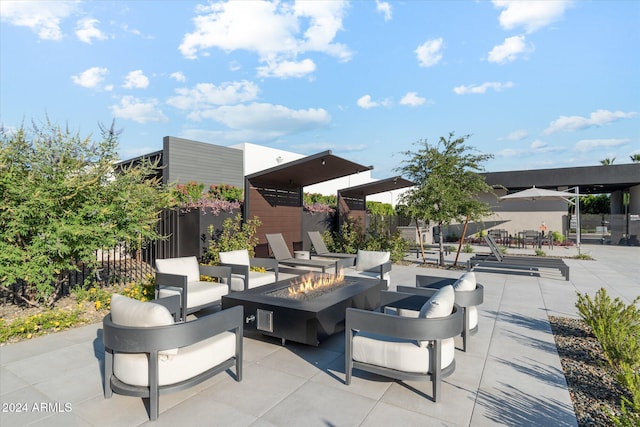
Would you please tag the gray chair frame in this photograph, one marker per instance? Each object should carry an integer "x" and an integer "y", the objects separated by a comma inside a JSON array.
[
  {"x": 180, "y": 281},
  {"x": 428, "y": 285},
  {"x": 321, "y": 250},
  {"x": 151, "y": 340},
  {"x": 410, "y": 328},
  {"x": 243, "y": 270},
  {"x": 283, "y": 255}
]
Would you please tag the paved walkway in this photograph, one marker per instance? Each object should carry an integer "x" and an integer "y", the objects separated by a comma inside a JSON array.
[{"x": 511, "y": 375}]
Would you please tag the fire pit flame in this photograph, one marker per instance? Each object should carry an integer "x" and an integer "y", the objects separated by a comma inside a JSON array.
[{"x": 310, "y": 283}]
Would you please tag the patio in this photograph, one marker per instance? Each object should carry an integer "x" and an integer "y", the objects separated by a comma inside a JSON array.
[{"x": 511, "y": 376}]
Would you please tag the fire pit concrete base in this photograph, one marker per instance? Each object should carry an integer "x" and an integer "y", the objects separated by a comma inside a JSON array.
[{"x": 307, "y": 322}]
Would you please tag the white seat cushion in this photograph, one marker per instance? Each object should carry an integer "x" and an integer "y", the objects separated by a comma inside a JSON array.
[
  {"x": 199, "y": 293},
  {"x": 256, "y": 278},
  {"x": 239, "y": 257},
  {"x": 399, "y": 354},
  {"x": 189, "y": 362},
  {"x": 466, "y": 282},
  {"x": 184, "y": 266}
]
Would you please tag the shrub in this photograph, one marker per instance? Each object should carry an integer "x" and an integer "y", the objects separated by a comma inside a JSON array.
[
  {"x": 540, "y": 252},
  {"x": 467, "y": 248},
  {"x": 235, "y": 235},
  {"x": 557, "y": 236},
  {"x": 616, "y": 326},
  {"x": 39, "y": 324},
  {"x": 617, "y": 329}
]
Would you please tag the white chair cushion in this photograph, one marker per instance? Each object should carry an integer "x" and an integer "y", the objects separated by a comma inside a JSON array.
[
  {"x": 239, "y": 257},
  {"x": 184, "y": 266},
  {"x": 130, "y": 312},
  {"x": 366, "y": 260},
  {"x": 440, "y": 304},
  {"x": 189, "y": 362},
  {"x": 256, "y": 278},
  {"x": 399, "y": 354},
  {"x": 466, "y": 282},
  {"x": 199, "y": 293}
]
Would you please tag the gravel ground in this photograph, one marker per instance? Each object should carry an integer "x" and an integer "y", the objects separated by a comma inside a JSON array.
[{"x": 594, "y": 391}]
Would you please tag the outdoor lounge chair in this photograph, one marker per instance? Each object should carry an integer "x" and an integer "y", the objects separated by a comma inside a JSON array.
[
  {"x": 321, "y": 249},
  {"x": 181, "y": 276},
  {"x": 281, "y": 253},
  {"x": 403, "y": 347},
  {"x": 242, "y": 278},
  {"x": 496, "y": 260},
  {"x": 468, "y": 295},
  {"x": 147, "y": 354}
]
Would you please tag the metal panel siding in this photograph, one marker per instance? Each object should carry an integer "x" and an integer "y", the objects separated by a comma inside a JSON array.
[{"x": 187, "y": 160}]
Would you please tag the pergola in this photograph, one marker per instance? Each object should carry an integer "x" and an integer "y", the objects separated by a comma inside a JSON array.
[
  {"x": 352, "y": 201},
  {"x": 275, "y": 195}
]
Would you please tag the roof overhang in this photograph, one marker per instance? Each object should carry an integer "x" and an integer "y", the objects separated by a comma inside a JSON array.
[
  {"x": 309, "y": 170},
  {"x": 376, "y": 187}
]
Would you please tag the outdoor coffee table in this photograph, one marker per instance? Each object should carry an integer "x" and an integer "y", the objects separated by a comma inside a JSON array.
[{"x": 304, "y": 321}]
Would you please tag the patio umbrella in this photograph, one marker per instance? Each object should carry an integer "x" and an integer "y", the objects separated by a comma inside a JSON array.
[
  {"x": 538, "y": 193},
  {"x": 535, "y": 193}
]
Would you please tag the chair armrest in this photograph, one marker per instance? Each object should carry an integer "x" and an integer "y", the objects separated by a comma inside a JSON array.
[
  {"x": 175, "y": 281},
  {"x": 158, "y": 338},
  {"x": 381, "y": 269},
  {"x": 172, "y": 303},
  {"x": 410, "y": 328},
  {"x": 219, "y": 271},
  {"x": 266, "y": 263}
]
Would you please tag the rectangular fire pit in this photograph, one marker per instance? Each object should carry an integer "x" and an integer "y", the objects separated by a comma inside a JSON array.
[{"x": 304, "y": 321}]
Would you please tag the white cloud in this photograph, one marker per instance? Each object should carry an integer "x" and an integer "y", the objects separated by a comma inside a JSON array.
[
  {"x": 597, "y": 118},
  {"x": 517, "y": 135},
  {"x": 87, "y": 30},
  {"x": 429, "y": 53},
  {"x": 507, "y": 152},
  {"x": 136, "y": 80},
  {"x": 384, "y": 8},
  {"x": 178, "y": 76},
  {"x": 592, "y": 144},
  {"x": 275, "y": 119},
  {"x": 90, "y": 78},
  {"x": 531, "y": 15},
  {"x": 284, "y": 69},
  {"x": 366, "y": 102},
  {"x": 204, "y": 96},
  {"x": 131, "y": 108},
  {"x": 509, "y": 50},
  {"x": 480, "y": 89},
  {"x": 42, "y": 17},
  {"x": 537, "y": 144},
  {"x": 276, "y": 31},
  {"x": 412, "y": 99}
]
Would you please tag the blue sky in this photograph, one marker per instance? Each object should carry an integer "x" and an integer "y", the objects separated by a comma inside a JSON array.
[{"x": 539, "y": 84}]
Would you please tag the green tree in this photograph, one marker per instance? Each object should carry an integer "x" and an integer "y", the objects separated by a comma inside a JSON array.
[
  {"x": 62, "y": 199},
  {"x": 607, "y": 161},
  {"x": 635, "y": 158},
  {"x": 379, "y": 208},
  {"x": 596, "y": 204},
  {"x": 447, "y": 183}
]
